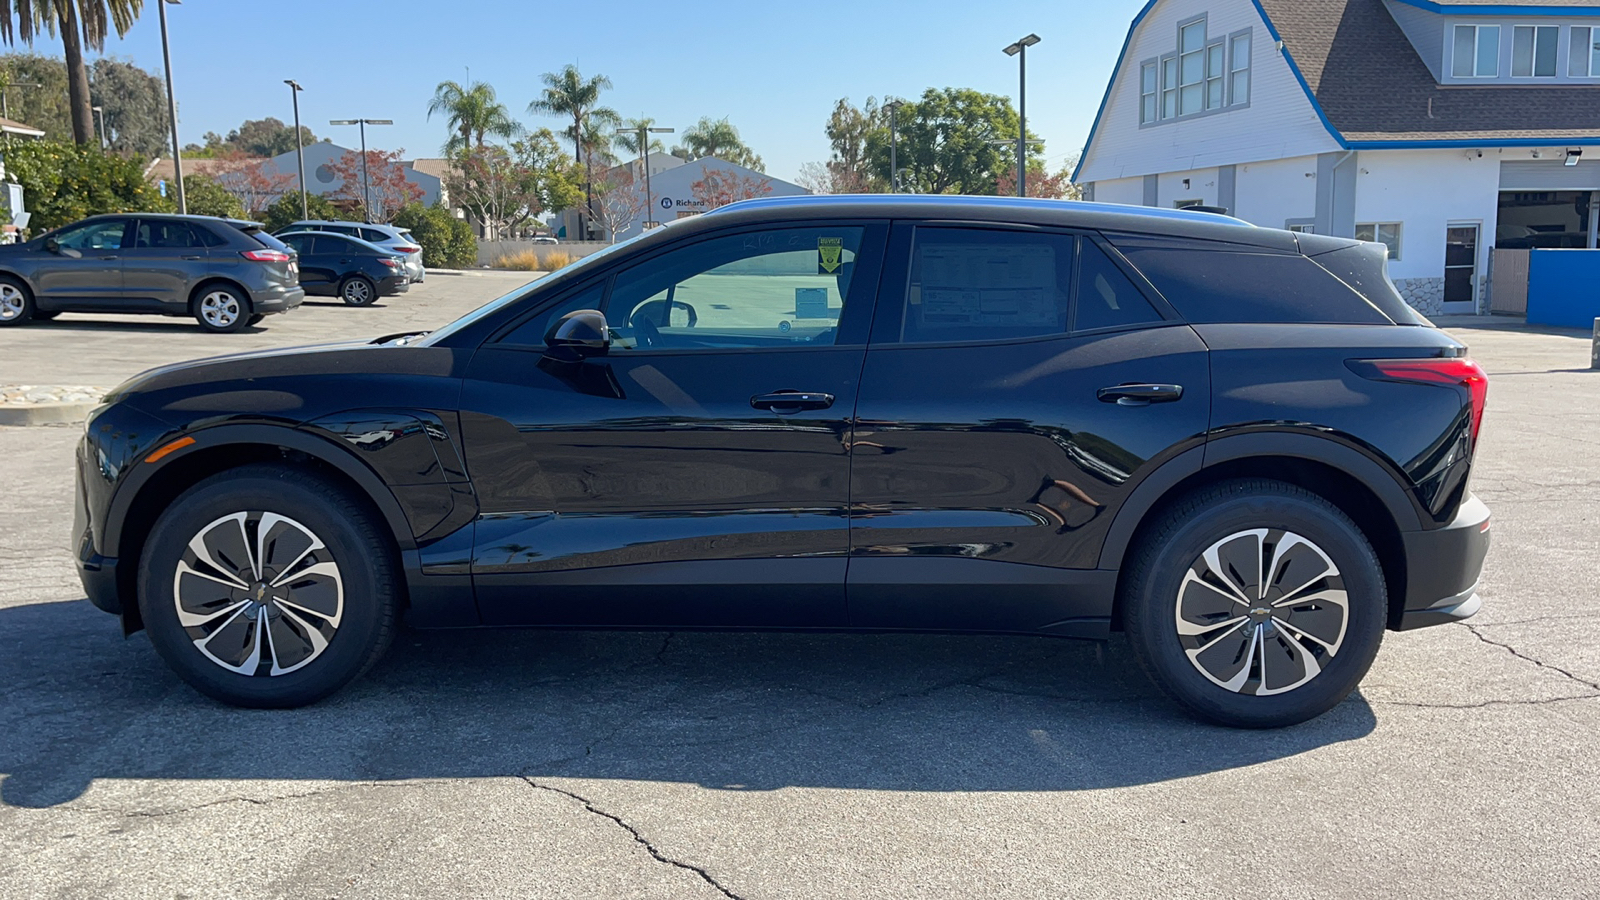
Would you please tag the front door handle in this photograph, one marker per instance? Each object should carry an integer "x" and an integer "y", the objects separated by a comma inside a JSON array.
[
  {"x": 1140, "y": 394},
  {"x": 792, "y": 401},
  {"x": 194, "y": 257},
  {"x": 111, "y": 257}
]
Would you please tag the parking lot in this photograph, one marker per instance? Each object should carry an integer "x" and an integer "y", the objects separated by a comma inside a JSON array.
[{"x": 574, "y": 764}]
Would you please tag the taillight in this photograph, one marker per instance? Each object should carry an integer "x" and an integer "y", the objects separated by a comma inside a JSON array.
[
  {"x": 265, "y": 255},
  {"x": 390, "y": 261},
  {"x": 1450, "y": 372},
  {"x": 406, "y": 248}
]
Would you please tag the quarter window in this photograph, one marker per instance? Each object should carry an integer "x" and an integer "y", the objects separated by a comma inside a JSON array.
[
  {"x": 776, "y": 288},
  {"x": 1477, "y": 51},
  {"x": 1386, "y": 233},
  {"x": 1107, "y": 298},
  {"x": 1584, "y": 61},
  {"x": 1533, "y": 51}
]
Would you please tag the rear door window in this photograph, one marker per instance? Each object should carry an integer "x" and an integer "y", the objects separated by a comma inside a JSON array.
[
  {"x": 969, "y": 284},
  {"x": 159, "y": 234}
]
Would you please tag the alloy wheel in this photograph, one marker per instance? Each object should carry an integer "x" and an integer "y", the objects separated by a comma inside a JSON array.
[
  {"x": 1262, "y": 612},
  {"x": 220, "y": 309},
  {"x": 357, "y": 292},
  {"x": 258, "y": 593},
  {"x": 12, "y": 303}
]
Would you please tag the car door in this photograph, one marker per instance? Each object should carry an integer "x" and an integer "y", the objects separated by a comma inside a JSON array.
[
  {"x": 318, "y": 260},
  {"x": 696, "y": 474},
  {"x": 166, "y": 257},
  {"x": 86, "y": 269},
  {"x": 1020, "y": 384}
]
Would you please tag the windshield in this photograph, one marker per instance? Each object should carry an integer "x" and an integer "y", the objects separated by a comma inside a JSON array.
[{"x": 494, "y": 306}]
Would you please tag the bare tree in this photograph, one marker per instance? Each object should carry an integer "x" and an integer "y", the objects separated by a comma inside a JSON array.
[{"x": 618, "y": 201}]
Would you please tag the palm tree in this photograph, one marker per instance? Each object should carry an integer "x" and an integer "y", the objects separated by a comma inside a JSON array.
[
  {"x": 473, "y": 114},
  {"x": 568, "y": 93},
  {"x": 627, "y": 138},
  {"x": 717, "y": 137},
  {"x": 79, "y": 23}
]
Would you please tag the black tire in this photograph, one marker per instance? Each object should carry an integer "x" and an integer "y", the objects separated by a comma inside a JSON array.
[
  {"x": 355, "y": 626},
  {"x": 358, "y": 290},
  {"x": 255, "y": 318},
  {"x": 221, "y": 309},
  {"x": 16, "y": 303},
  {"x": 40, "y": 315},
  {"x": 1254, "y": 523}
]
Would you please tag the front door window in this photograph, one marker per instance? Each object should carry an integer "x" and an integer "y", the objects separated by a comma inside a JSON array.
[{"x": 102, "y": 235}]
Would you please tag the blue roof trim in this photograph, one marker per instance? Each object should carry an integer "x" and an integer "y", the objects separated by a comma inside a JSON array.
[
  {"x": 1093, "y": 129},
  {"x": 1509, "y": 9}
]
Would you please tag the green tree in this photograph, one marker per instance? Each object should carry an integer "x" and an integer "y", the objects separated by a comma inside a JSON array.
[
  {"x": 559, "y": 178},
  {"x": 447, "y": 242},
  {"x": 207, "y": 197},
  {"x": 286, "y": 209},
  {"x": 134, "y": 107},
  {"x": 568, "y": 94},
  {"x": 44, "y": 107},
  {"x": 473, "y": 115},
  {"x": 65, "y": 182},
  {"x": 267, "y": 137},
  {"x": 627, "y": 136},
  {"x": 78, "y": 23},
  {"x": 945, "y": 143},
  {"x": 718, "y": 138}
]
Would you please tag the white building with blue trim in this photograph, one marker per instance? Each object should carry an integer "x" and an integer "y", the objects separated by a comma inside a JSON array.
[{"x": 1443, "y": 129}]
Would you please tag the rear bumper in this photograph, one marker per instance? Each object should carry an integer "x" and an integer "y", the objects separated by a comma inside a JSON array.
[
  {"x": 394, "y": 284},
  {"x": 277, "y": 300},
  {"x": 1443, "y": 567}
]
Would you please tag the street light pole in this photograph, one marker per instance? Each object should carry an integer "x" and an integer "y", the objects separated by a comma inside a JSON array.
[
  {"x": 894, "y": 144},
  {"x": 172, "y": 108},
  {"x": 1020, "y": 50},
  {"x": 644, "y": 160},
  {"x": 366, "y": 180},
  {"x": 100, "y": 112},
  {"x": 299, "y": 146}
]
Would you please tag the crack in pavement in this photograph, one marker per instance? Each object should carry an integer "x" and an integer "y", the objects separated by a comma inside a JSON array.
[
  {"x": 255, "y": 801},
  {"x": 1483, "y": 704},
  {"x": 639, "y": 838},
  {"x": 1592, "y": 685}
]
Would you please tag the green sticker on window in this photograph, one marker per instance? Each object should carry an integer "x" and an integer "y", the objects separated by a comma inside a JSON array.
[{"x": 830, "y": 251}]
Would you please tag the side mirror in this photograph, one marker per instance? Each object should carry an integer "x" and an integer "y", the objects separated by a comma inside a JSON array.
[
  {"x": 52, "y": 245},
  {"x": 579, "y": 334}
]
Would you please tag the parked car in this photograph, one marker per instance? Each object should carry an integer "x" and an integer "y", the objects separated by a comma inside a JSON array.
[
  {"x": 332, "y": 265},
  {"x": 227, "y": 273},
  {"x": 395, "y": 240},
  {"x": 1236, "y": 445},
  {"x": 545, "y": 239}
]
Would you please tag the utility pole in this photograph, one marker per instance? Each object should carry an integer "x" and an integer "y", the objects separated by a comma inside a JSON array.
[
  {"x": 172, "y": 108},
  {"x": 644, "y": 161},
  {"x": 894, "y": 144},
  {"x": 366, "y": 180},
  {"x": 1020, "y": 50},
  {"x": 299, "y": 145}
]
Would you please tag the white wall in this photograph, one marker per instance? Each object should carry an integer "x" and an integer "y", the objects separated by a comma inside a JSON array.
[
  {"x": 1120, "y": 190},
  {"x": 1426, "y": 190},
  {"x": 1272, "y": 192},
  {"x": 1202, "y": 187},
  {"x": 1279, "y": 122}
]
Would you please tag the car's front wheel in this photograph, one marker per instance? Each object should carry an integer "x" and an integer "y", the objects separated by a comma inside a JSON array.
[
  {"x": 1255, "y": 604},
  {"x": 221, "y": 309},
  {"x": 265, "y": 586},
  {"x": 16, "y": 303}
]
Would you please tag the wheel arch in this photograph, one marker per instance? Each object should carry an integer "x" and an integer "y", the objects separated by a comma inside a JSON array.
[
  {"x": 209, "y": 281},
  {"x": 137, "y": 504},
  {"x": 1361, "y": 487}
]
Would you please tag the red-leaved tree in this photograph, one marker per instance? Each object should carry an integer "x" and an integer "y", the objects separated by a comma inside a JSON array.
[
  {"x": 252, "y": 179},
  {"x": 1040, "y": 184},
  {"x": 719, "y": 187},
  {"x": 389, "y": 189}
]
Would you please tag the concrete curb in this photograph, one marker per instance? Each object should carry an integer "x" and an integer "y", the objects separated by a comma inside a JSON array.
[
  {"x": 46, "y": 414},
  {"x": 484, "y": 273}
]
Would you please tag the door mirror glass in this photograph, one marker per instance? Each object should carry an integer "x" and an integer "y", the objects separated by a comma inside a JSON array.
[
  {"x": 52, "y": 245},
  {"x": 579, "y": 334}
]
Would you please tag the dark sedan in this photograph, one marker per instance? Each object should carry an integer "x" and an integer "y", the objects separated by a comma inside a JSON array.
[
  {"x": 332, "y": 265},
  {"x": 1236, "y": 445},
  {"x": 226, "y": 273}
]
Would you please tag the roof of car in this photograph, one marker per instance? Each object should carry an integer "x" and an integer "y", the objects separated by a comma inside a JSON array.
[
  {"x": 1018, "y": 210},
  {"x": 351, "y": 224},
  {"x": 343, "y": 237}
]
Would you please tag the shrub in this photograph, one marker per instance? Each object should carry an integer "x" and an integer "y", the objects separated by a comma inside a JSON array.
[
  {"x": 207, "y": 197},
  {"x": 521, "y": 261},
  {"x": 463, "y": 245},
  {"x": 556, "y": 259},
  {"x": 63, "y": 183},
  {"x": 447, "y": 242},
  {"x": 286, "y": 209}
]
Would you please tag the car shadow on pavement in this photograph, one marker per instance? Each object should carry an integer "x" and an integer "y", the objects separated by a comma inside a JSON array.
[
  {"x": 728, "y": 711},
  {"x": 147, "y": 324}
]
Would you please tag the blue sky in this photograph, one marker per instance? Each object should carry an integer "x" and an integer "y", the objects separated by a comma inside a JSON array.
[{"x": 774, "y": 68}]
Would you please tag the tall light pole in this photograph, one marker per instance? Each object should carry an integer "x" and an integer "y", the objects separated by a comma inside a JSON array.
[
  {"x": 172, "y": 107},
  {"x": 366, "y": 180},
  {"x": 1020, "y": 50},
  {"x": 644, "y": 133},
  {"x": 100, "y": 112},
  {"x": 299, "y": 145},
  {"x": 894, "y": 144}
]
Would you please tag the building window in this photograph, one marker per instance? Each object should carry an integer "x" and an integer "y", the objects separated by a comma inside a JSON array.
[
  {"x": 1215, "y": 52},
  {"x": 1477, "y": 52},
  {"x": 1386, "y": 233},
  {"x": 1147, "y": 94},
  {"x": 1585, "y": 59},
  {"x": 1169, "y": 88},
  {"x": 1191, "y": 67},
  {"x": 1301, "y": 228},
  {"x": 1239, "y": 69},
  {"x": 1533, "y": 51}
]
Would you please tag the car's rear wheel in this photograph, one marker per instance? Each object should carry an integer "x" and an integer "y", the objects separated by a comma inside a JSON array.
[
  {"x": 221, "y": 309},
  {"x": 16, "y": 302},
  {"x": 265, "y": 586},
  {"x": 1255, "y": 604},
  {"x": 358, "y": 291},
  {"x": 255, "y": 319}
]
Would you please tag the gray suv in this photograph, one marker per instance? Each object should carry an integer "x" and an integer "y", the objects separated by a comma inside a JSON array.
[
  {"x": 398, "y": 241},
  {"x": 227, "y": 274}
]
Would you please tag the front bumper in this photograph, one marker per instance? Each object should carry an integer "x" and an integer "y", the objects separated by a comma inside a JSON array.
[{"x": 1443, "y": 568}]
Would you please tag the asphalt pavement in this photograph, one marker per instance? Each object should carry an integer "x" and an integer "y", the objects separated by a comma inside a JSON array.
[{"x": 682, "y": 765}]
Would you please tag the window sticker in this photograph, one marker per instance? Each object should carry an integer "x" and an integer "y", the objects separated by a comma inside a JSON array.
[
  {"x": 988, "y": 284},
  {"x": 830, "y": 253}
]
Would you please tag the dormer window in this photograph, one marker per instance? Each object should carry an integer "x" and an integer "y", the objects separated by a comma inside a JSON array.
[
  {"x": 1204, "y": 74},
  {"x": 1477, "y": 52},
  {"x": 1533, "y": 51}
]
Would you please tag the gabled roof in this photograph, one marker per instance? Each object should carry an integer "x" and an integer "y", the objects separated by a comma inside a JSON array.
[
  {"x": 11, "y": 126},
  {"x": 1373, "y": 89}
]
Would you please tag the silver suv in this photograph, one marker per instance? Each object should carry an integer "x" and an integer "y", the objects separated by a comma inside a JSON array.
[{"x": 395, "y": 240}]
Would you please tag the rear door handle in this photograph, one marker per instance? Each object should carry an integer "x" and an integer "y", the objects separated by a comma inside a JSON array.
[
  {"x": 194, "y": 257},
  {"x": 792, "y": 401},
  {"x": 1140, "y": 394}
]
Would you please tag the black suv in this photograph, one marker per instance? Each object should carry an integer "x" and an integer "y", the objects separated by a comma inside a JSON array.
[
  {"x": 1235, "y": 444},
  {"x": 226, "y": 273}
]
